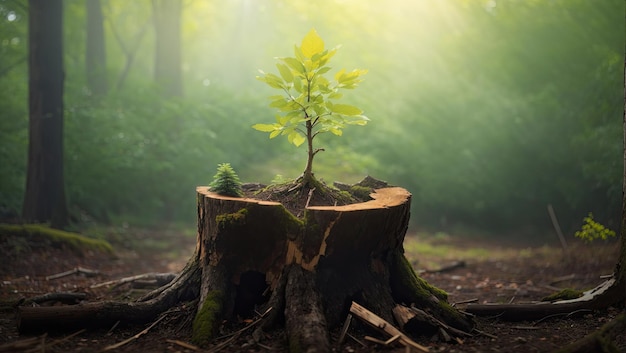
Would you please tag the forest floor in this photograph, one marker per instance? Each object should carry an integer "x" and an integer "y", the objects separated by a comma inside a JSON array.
[{"x": 492, "y": 272}]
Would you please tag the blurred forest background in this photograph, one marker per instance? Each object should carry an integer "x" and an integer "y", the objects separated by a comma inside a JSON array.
[{"x": 487, "y": 111}]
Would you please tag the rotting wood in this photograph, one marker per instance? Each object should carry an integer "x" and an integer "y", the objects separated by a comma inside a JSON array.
[{"x": 383, "y": 326}]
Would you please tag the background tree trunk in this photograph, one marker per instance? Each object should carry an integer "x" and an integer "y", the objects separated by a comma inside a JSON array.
[
  {"x": 44, "y": 198},
  {"x": 95, "y": 55}
]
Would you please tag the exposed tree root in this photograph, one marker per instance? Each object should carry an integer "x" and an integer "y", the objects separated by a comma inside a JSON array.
[
  {"x": 604, "y": 295},
  {"x": 108, "y": 313}
]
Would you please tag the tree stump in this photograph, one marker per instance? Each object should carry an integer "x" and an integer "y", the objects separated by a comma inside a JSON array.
[
  {"x": 313, "y": 268},
  {"x": 309, "y": 271}
]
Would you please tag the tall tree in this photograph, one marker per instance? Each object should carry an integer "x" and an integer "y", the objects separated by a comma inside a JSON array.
[
  {"x": 167, "y": 71},
  {"x": 96, "y": 53},
  {"x": 44, "y": 197}
]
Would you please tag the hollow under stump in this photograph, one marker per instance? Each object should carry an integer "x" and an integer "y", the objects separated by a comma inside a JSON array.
[{"x": 254, "y": 254}]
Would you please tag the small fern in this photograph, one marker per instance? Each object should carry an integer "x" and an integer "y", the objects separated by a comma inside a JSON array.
[{"x": 226, "y": 182}]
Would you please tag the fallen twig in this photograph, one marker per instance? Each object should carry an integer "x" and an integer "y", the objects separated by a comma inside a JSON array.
[
  {"x": 66, "y": 338},
  {"x": 485, "y": 333},
  {"x": 35, "y": 344},
  {"x": 356, "y": 340},
  {"x": 159, "y": 278},
  {"x": 183, "y": 344},
  {"x": 563, "y": 279},
  {"x": 76, "y": 270},
  {"x": 447, "y": 268},
  {"x": 381, "y": 342},
  {"x": 126, "y": 341},
  {"x": 473, "y": 300},
  {"x": 236, "y": 334},
  {"x": 344, "y": 330},
  {"x": 380, "y": 324},
  {"x": 572, "y": 313},
  {"x": 21, "y": 345}
]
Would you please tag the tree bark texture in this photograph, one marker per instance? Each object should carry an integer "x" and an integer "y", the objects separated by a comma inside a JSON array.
[{"x": 44, "y": 198}]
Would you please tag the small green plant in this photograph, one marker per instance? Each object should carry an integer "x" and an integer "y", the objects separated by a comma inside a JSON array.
[
  {"x": 307, "y": 106},
  {"x": 592, "y": 230},
  {"x": 279, "y": 179},
  {"x": 226, "y": 182}
]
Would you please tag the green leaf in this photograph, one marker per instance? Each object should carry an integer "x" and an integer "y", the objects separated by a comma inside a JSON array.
[
  {"x": 296, "y": 138},
  {"x": 323, "y": 70},
  {"x": 298, "y": 52},
  {"x": 335, "y": 131},
  {"x": 312, "y": 44},
  {"x": 358, "y": 120},
  {"x": 285, "y": 72},
  {"x": 265, "y": 127},
  {"x": 279, "y": 103},
  {"x": 275, "y": 133},
  {"x": 335, "y": 95},
  {"x": 297, "y": 85},
  {"x": 272, "y": 80},
  {"x": 327, "y": 55},
  {"x": 295, "y": 65},
  {"x": 282, "y": 120},
  {"x": 345, "y": 109}
]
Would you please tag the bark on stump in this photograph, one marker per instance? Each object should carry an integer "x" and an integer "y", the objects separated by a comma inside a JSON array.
[{"x": 314, "y": 268}]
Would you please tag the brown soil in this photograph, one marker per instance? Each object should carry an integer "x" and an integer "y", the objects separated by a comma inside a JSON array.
[
  {"x": 506, "y": 274},
  {"x": 296, "y": 197}
]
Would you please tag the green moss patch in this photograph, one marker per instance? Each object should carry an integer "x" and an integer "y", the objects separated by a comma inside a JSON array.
[
  {"x": 40, "y": 234},
  {"x": 206, "y": 323},
  {"x": 564, "y": 294},
  {"x": 407, "y": 278},
  {"x": 227, "y": 220}
]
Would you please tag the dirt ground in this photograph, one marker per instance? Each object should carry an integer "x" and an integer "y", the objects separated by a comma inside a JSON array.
[{"x": 490, "y": 273}]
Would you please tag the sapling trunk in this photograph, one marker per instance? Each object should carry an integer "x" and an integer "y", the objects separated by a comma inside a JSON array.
[{"x": 307, "y": 176}]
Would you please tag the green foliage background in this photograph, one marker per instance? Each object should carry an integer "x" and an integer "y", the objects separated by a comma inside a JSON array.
[{"x": 486, "y": 111}]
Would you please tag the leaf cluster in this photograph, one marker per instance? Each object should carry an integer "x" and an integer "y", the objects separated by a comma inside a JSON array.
[
  {"x": 592, "y": 230},
  {"x": 308, "y": 105},
  {"x": 226, "y": 181}
]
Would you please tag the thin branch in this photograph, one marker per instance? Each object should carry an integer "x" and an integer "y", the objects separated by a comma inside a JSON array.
[
  {"x": 126, "y": 341},
  {"x": 318, "y": 150}
]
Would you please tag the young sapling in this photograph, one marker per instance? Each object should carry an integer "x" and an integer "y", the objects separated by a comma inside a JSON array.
[{"x": 307, "y": 106}]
